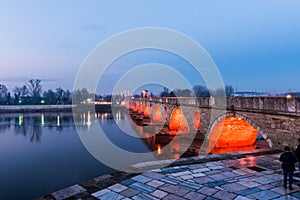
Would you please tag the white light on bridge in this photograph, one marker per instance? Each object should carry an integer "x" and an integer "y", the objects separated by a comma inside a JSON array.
[{"x": 288, "y": 96}]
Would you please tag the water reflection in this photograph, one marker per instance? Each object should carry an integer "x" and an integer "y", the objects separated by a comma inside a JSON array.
[
  {"x": 166, "y": 146},
  {"x": 38, "y": 149},
  {"x": 30, "y": 125}
]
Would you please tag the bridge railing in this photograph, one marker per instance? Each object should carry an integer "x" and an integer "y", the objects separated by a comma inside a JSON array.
[
  {"x": 276, "y": 104},
  {"x": 270, "y": 104}
]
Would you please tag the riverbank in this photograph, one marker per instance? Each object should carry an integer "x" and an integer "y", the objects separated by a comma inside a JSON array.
[
  {"x": 36, "y": 108},
  {"x": 254, "y": 174},
  {"x": 53, "y": 108}
]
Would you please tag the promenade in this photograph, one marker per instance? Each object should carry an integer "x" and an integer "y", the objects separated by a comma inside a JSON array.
[{"x": 241, "y": 176}]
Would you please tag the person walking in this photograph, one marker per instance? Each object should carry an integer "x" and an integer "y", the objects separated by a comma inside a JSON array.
[
  {"x": 288, "y": 165},
  {"x": 297, "y": 154}
]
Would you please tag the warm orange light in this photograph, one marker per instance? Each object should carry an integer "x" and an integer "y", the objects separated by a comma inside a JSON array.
[
  {"x": 140, "y": 108},
  {"x": 134, "y": 107},
  {"x": 178, "y": 123},
  {"x": 157, "y": 116},
  {"x": 197, "y": 121},
  {"x": 146, "y": 111},
  {"x": 159, "y": 150},
  {"x": 251, "y": 160},
  {"x": 251, "y": 157},
  {"x": 233, "y": 134},
  {"x": 175, "y": 149},
  {"x": 242, "y": 162},
  {"x": 140, "y": 128}
]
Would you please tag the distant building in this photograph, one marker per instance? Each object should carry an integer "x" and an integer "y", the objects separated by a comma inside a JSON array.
[{"x": 145, "y": 94}]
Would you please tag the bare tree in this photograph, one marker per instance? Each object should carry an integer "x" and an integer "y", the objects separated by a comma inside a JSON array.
[
  {"x": 3, "y": 94},
  {"x": 20, "y": 92},
  {"x": 201, "y": 91},
  {"x": 35, "y": 89}
]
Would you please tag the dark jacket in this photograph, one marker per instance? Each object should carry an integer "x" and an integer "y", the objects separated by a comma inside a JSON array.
[
  {"x": 297, "y": 153},
  {"x": 288, "y": 161}
]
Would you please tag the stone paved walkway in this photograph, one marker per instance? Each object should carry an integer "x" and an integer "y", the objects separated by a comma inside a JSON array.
[{"x": 252, "y": 177}]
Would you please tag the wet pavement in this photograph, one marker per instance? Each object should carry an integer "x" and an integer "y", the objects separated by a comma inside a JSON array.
[{"x": 249, "y": 177}]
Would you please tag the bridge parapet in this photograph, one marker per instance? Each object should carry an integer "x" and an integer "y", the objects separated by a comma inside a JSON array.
[{"x": 279, "y": 105}]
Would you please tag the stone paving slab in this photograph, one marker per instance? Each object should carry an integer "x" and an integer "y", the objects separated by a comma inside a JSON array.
[
  {"x": 68, "y": 192},
  {"x": 216, "y": 180}
]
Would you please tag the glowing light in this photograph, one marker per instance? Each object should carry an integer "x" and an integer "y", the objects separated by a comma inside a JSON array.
[
  {"x": 178, "y": 123},
  {"x": 102, "y": 119},
  {"x": 20, "y": 101},
  {"x": 20, "y": 120},
  {"x": 42, "y": 120},
  {"x": 89, "y": 123},
  {"x": 233, "y": 134},
  {"x": 140, "y": 108},
  {"x": 288, "y": 96},
  {"x": 146, "y": 111},
  {"x": 134, "y": 107},
  {"x": 251, "y": 160},
  {"x": 118, "y": 115},
  {"x": 197, "y": 121},
  {"x": 159, "y": 150},
  {"x": 157, "y": 116},
  {"x": 58, "y": 121},
  {"x": 102, "y": 103},
  {"x": 175, "y": 147},
  {"x": 242, "y": 162},
  {"x": 42, "y": 101}
]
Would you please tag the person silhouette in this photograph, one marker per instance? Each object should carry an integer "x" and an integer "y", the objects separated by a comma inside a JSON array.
[{"x": 288, "y": 165}]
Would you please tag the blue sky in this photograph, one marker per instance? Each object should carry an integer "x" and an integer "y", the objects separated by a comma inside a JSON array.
[{"x": 255, "y": 44}]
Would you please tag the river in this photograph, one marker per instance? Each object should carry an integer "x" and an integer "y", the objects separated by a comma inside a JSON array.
[{"x": 42, "y": 152}]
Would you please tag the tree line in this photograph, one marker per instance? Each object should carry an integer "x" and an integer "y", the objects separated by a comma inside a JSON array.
[
  {"x": 31, "y": 93},
  {"x": 198, "y": 91}
]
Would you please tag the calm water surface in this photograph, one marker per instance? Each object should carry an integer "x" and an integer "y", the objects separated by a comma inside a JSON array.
[{"x": 42, "y": 152}]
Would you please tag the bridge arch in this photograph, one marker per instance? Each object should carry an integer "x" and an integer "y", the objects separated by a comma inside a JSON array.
[
  {"x": 210, "y": 140},
  {"x": 177, "y": 122}
]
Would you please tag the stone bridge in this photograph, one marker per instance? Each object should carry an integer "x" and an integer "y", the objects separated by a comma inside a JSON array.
[{"x": 276, "y": 118}]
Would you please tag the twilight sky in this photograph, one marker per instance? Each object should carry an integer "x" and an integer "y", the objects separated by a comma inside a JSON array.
[{"x": 255, "y": 44}]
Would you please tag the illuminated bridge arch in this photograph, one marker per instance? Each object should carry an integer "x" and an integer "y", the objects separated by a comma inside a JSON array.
[{"x": 212, "y": 138}]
